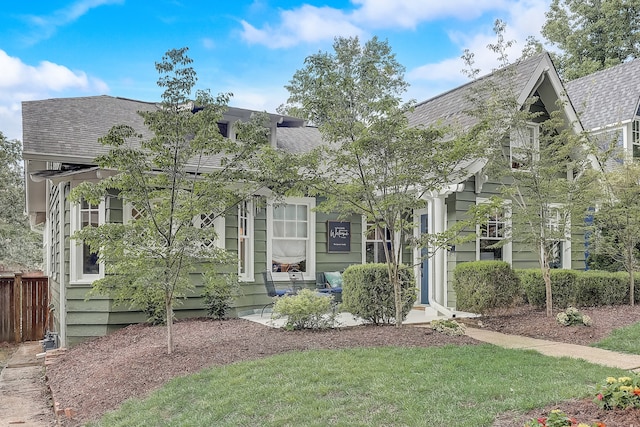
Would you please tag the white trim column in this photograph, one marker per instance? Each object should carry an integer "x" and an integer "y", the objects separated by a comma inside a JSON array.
[{"x": 439, "y": 256}]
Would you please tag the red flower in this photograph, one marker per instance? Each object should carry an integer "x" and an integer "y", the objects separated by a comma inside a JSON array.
[
  {"x": 542, "y": 421},
  {"x": 600, "y": 396},
  {"x": 636, "y": 391}
]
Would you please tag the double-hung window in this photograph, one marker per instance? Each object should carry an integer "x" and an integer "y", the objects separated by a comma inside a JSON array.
[
  {"x": 524, "y": 146},
  {"x": 291, "y": 243},
  {"x": 558, "y": 242},
  {"x": 635, "y": 139},
  {"x": 492, "y": 242},
  {"x": 86, "y": 266},
  {"x": 376, "y": 238},
  {"x": 245, "y": 240}
]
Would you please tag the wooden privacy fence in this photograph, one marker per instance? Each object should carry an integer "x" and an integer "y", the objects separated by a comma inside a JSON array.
[{"x": 24, "y": 307}]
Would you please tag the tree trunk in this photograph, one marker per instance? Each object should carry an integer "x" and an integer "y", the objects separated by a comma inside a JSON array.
[
  {"x": 546, "y": 275},
  {"x": 169, "y": 310},
  {"x": 632, "y": 291},
  {"x": 397, "y": 293}
]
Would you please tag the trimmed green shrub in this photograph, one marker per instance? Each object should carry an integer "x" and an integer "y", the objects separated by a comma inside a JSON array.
[
  {"x": 594, "y": 288},
  {"x": 562, "y": 287},
  {"x": 482, "y": 286},
  {"x": 305, "y": 310},
  {"x": 368, "y": 293}
]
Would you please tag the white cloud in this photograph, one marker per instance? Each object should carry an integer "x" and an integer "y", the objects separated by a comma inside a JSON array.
[
  {"x": 409, "y": 13},
  {"x": 305, "y": 24},
  {"x": 208, "y": 43},
  {"x": 21, "y": 82},
  {"x": 46, "y": 26},
  {"x": 523, "y": 18}
]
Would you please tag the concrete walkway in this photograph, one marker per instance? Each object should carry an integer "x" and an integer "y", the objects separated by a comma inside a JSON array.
[
  {"x": 23, "y": 391},
  {"x": 595, "y": 355}
]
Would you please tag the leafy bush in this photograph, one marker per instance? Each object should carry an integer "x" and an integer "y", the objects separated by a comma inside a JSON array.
[
  {"x": 219, "y": 292},
  {"x": 448, "y": 327},
  {"x": 368, "y": 293},
  {"x": 595, "y": 288},
  {"x": 305, "y": 310},
  {"x": 562, "y": 287},
  {"x": 577, "y": 288},
  {"x": 571, "y": 316},
  {"x": 482, "y": 286},
  {"x": 622, "y": 393}
]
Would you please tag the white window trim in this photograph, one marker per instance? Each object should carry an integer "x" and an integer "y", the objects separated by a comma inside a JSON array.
[
  {"x": 516, "y": 141},
  {"x": 396, "y": 240},
  {"x": 77, "y": 277},
  {"x": 566, "y": 246},
  {"x": 247, "y": 276},
  {"x": 507, "y": 248},
  {"x": 219, "y": 224},
  {"x": 310, "y": 274}
]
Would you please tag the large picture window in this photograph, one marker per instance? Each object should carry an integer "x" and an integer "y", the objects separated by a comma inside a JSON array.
[{"x": 291, "y": 240}]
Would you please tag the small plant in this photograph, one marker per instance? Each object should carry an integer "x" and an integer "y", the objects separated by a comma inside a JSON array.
[
  {"x": 557, "y": 418},
  {"x": 571, "y": 316},
  {"x": 305, "y": 310},
  {"x": 448, "y": 327},
  {"x": 621, "y": 393},
  {"x": 219, "y": 292}
]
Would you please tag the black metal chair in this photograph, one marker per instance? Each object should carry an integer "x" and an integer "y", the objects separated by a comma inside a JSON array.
[{"x": 271, "y": 289}]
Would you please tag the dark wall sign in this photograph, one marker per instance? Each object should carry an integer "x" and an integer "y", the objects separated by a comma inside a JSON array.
[{"x": 339, "y": 236}]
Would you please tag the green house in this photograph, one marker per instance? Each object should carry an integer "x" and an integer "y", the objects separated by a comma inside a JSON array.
[{"x": 61, "y": 141}]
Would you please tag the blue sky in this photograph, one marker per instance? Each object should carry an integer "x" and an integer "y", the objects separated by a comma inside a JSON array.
[{"x": 250, "y": 48}]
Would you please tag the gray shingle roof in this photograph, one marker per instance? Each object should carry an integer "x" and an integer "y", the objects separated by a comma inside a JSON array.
[
  {"x": 299, "y": 139},
  {"x": 449, "y": 108},
  {"x": 606, "y": 97},
  {"x": 69, "y": 128}
]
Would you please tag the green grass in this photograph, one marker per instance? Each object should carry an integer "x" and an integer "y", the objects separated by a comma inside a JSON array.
[
  {"x": 625, "y": 340},
  {"x": 448, "y": 386}
]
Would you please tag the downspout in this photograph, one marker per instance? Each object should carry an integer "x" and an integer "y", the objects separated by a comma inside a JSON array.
[{"x": 62, "y": 284}]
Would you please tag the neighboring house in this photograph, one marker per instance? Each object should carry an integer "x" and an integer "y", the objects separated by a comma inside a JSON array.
[
  {"x": 608, "y": 103},
  {"x": 61, "y": 140}
]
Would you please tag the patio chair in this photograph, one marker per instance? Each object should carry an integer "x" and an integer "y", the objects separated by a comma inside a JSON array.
[
  {"x": 330, "y": 283},
  {"x": 271, "y": 289}
]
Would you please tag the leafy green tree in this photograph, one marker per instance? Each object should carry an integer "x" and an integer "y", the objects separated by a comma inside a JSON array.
[
  {"x": 175, "y": 200},
  {"x": 20, "y": 248},
  {"x": 374, "y": 165},
  {"x": 592, "y": 34},
  {"x": 543, "y": 176},
  {"x": 617, "y": 220}
]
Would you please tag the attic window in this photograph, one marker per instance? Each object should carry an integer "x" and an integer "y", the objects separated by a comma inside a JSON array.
[{"x": 524, "y": 145}]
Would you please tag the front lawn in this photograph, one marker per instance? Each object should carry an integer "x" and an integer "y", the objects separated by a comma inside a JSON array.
[
  {"x": 624, "y": 340},
  {"x": 445, "y": 386}
]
